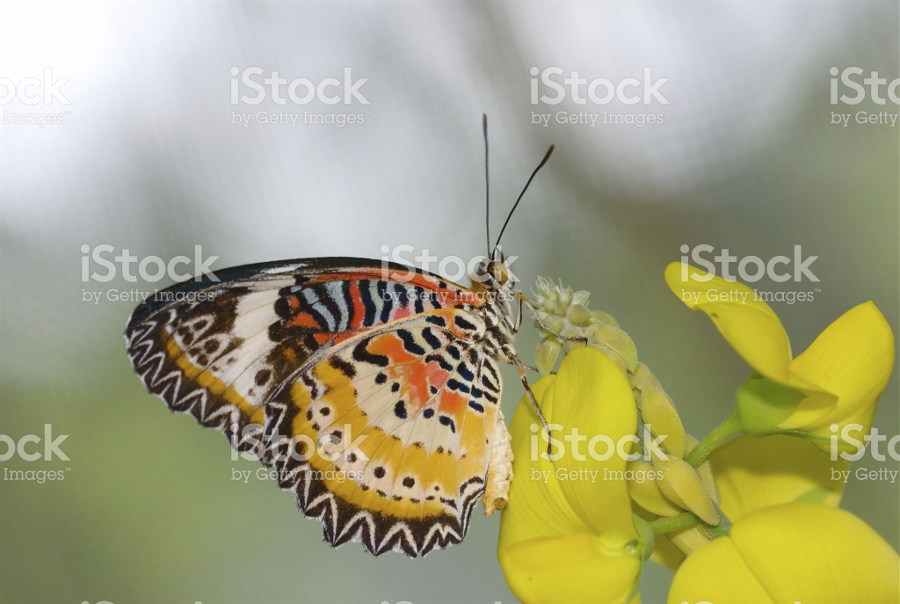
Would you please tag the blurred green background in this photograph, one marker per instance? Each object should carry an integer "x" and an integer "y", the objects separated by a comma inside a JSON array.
[{"x": 149, "y": 160}]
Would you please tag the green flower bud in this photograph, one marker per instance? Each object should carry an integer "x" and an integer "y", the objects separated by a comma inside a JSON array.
[
  {"x": 547, "y": 353},
  {"x": 578, "y": 314}
]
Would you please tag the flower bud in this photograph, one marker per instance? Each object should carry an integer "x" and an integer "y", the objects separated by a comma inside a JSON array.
[
  {"x": 578, "y": 314},
  {"x": 615, "y": 339},
  {"x": 646, "y": 493},
  {"x": 599, "y": 316},
  {"x": 547, "y": 353},
  {"x": 658, "y": 412},
  {"x": 643, "y": 373},
  {"x": 689, "y": 540},
  {"x": 682, "y": 485}
]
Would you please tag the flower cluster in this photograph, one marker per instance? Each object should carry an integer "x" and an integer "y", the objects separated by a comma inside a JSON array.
[{"x": 748, "y": 513}]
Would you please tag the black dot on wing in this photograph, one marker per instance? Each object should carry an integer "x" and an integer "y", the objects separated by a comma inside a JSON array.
[
  {"x": 200, "y": 324},
  {"x": 409, "y": 482},
  {"x": 326, "y": 411},
  {"x": 379, "y": 472},
  {"x": 262, "y": 376},
  {"x": 351, "y": 457},
  {"x": 395, "y": 386},
  {"x": 400, "y": 409},
  {"x": 309, "y": 415},
  {"x": 380, "y": 378},
  {"x": 428, "y": 413},
  {"x": 211, "y": 346}
]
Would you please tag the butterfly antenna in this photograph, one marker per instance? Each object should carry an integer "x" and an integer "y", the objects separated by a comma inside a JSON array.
[
  {"x": 487, "y": 186},
  {"x": 540, "y": 165}
]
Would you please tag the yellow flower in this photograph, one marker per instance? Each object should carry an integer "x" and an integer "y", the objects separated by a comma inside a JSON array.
[
  {"x": 753, "y": 473},
  {"x": 748, "y": 474},
  {"x": 834, "y": 384},
  {"x": 799, "y": 552},
  {"x": 568, "y": 534}
]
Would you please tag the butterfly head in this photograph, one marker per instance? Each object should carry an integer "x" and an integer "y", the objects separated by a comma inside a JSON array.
[{"x": 493, "y": 274}]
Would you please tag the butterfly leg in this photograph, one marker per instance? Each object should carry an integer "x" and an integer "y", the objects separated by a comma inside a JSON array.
[{"x": 517, "y": 363}]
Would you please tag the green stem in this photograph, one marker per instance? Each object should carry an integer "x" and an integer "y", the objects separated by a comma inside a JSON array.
[
  {"x": 712, "y": 440},
  {"x": 721, "y": 530},
  {"x": 662, "y": 526}
]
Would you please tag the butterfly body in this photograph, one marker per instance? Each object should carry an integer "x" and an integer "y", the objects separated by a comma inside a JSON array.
[{"x": 373, "y": 390}]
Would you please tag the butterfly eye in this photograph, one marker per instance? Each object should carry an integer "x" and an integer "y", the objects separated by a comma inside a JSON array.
[{"x": 499, "y": 272}]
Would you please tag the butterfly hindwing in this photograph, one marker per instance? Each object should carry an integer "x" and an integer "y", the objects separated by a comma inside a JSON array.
[
  {"x": 219, "y": 349},
  {"x": 404, "y": 415}
]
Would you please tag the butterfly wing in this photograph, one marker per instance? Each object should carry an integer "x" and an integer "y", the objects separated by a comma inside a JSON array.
[
  {"x": 219, "y": 349},
  {"x": 404, "y": 417}
]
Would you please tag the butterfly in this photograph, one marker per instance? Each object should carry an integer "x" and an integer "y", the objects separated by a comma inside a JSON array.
[{"x": 372, "y": 389}]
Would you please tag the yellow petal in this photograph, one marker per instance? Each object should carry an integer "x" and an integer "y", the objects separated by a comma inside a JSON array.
[
  {"x": 537, "y": 507},
  {"x": 665, "y": 553},
  {"x": 754, "y": 473},
  {"x": 593, "y": 396},
  {"x": 575, "y": 534},
  {"x": 749, "y": 325},
  {"x": 797, "y": 552},
  {"x": 717, "y": 573},
  {"x": 853, "y": 359},
  {"x": 574, "y": 568}
]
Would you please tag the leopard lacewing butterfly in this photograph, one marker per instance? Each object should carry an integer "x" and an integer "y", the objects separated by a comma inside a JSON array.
[{"x": 372, "y": 389}]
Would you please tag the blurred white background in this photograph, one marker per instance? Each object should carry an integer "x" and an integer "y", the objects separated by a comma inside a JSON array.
[{"x": 148, "y": 159}]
